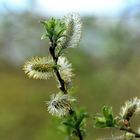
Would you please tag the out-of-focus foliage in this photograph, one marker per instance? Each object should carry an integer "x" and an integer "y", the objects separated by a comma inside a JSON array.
[
  {"x": 107, "y": 68},
  {"x": 76, "y": 121},
  {"x": 105, "y": 120}
]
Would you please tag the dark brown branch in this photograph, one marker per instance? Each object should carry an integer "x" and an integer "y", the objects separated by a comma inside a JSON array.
[
  {"x": 79, "y": 134},
  {"x": 137, "y": 135},
  {"x": 61, "y": 81}
]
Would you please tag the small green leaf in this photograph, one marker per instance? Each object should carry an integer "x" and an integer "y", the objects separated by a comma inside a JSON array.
[
  {"x": 107, "y": 111},
  {"x": 100, "y": 122},
  {"x": 44, "y": 36},
  {"x": 54, "y": 29},
  {"x": 43, "y": 23},
  {"x": 69, "y": 124},
  {"x": 81, "y": 117},
  {"x": 107, "y": 119},
  {"x": 60, "y": 33}
]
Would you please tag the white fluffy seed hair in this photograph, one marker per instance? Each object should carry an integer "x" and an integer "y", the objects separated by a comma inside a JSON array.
[
  {"x": 73, "y": 31},
  {"x": 60, "y": 104},
  {"x": 135, "y": 102},
  {"x": 65, "y": 69},
  {"x": 39, "y": 67}
]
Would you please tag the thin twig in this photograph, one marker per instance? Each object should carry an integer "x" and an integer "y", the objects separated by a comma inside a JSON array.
[
  {"x": 61, "y": 81},
  {"x": 79, "y": 134},
  {"x": 130, "y": 130},
  {"x": 137, "y": 135}
]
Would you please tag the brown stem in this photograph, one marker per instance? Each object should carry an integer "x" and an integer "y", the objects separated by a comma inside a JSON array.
[
  {"x": 61, "y": 81},
  {"x": 137, "y": 135},
  {"x": 79, "y": 134}
]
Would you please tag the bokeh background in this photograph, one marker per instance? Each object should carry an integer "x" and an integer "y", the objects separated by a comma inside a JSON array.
[{"x": 106, "y": 63}]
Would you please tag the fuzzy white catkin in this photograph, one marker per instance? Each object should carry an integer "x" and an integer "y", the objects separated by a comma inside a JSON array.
[
  {"x": 73, "y": 31},
  {"x": 65, "y": 69},
  {"x": 60, "y": 104},
  {"x": 43, "y": 68},
  {"x": 132, "y": 105},
  {"x": 39, "y": 67}
]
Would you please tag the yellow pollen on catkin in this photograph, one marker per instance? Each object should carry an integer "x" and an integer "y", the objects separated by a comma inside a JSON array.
[{"x": 43, "y": 67}]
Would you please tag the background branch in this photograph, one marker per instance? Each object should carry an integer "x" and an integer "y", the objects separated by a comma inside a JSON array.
[{"x": 137, "y": 135}]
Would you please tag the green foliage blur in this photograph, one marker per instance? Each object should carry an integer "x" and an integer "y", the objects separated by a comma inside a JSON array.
[
  {"x": 106, "y": 67},
  {"x": 106, "y": 119}
]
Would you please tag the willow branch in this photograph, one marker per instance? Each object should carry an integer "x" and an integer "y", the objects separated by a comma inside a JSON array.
[
  {"x": 137, "y": 135},
  {"x": 79, "y": 134},
  {"x": 61, "y": 81},
  {"x": 130, "y": 130}
]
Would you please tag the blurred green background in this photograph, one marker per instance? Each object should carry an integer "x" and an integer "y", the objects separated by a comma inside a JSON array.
[{"x": 106, "y": 64}]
